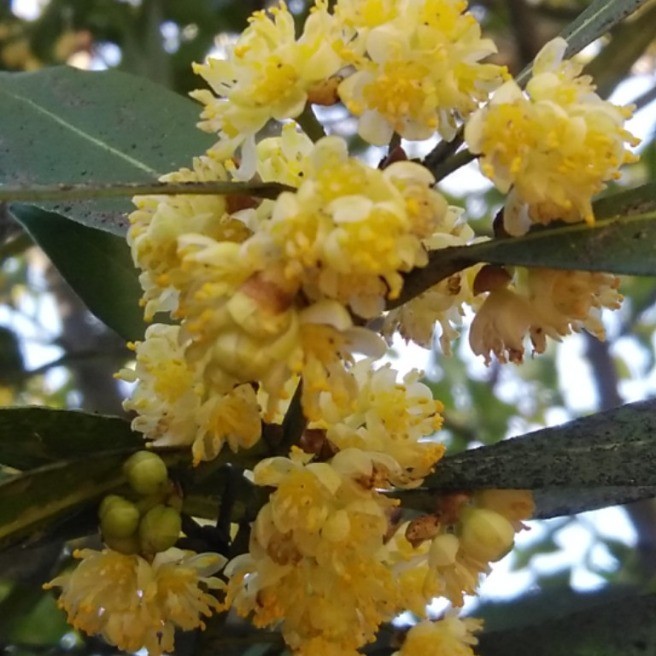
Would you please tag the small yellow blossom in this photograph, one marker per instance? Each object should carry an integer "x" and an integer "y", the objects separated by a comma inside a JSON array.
[
  {"x": 268, "y": 73},
  {"x": 284, "y": 159},
  {"x": 449, "y": 636},
  {"x": 441, "y": 304},
  {"x": 541, "y": 303},
  {"x": 387, "y": 417},
  {"x": 421, "y": 73},
  {"x": 158, "y": 223},
  {"x": 302, "y": 569},
  {"x": 133, "y": 603},
  {"x": 350, "y": 230},
  {"x": 176, "y": 405},
  {"x": 553, "y": 148}
]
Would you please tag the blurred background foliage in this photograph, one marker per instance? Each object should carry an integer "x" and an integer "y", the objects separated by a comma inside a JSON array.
[{"x": 52, "y": 351}]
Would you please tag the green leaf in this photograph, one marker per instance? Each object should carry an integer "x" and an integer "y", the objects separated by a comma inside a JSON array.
[
  {"x": 622, "y": 241},
  {"x": 614, "y": 450},
  {"x": 32, "y": 436},
  {"x": 594, "y": 21},
  {"x": 628, "y": 43},
  {"x": 30, "y": 502},
  {"x": 96, "y": 264},
  {"x": 63, "y": 125},
  {"x": 624, "y": 245},
  {"x": 620, "y": 628}
]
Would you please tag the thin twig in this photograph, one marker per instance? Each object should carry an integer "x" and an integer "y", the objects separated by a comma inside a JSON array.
[{"x": 95, "y": 191}]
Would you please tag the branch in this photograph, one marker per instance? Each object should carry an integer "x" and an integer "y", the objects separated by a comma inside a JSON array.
[{"x": 91, "y": 191}]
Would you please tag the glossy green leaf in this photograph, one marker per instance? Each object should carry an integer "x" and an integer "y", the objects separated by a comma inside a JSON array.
[
  {"x": 34, "y": 436},
  {"x": 96, "y": 264},
  {"x": 609, "y": 457},
  {"x": 622, "y": 241},
  {"x": 620, "y": 628},
  {"x": 66, "y": 125}
]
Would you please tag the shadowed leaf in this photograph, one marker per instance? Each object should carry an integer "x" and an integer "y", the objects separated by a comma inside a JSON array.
[
  {"x": 66, "y": 125},
  {"x": 96, "y": 264}
]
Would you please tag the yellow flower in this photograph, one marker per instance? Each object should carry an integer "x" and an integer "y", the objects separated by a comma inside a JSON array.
[
  {"x": 284, "y": 159},
  {"x": 443, "y": 303},
  {"x": 422, "y": 72},
  {"x": 389, "y": 418},
  {"x": 158, "y": 223},
  {"x": 268, "y": 73},
  {"x": 541, "y": 303},
  {"x": 350, "y": 230},
  {"x": 177, "y": 404},
  {"x": 302, "y": 569},
  {"x": 133, "y": 603},
  {"x": 167, "y": 395},
  {"x": 449, "y": 636},
  {"x": 554, "y": 148}
]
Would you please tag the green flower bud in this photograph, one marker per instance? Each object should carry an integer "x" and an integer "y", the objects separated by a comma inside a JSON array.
[
  {"x": 119, "y": 518},
  {"x": 107, "y": 503},
  {"x": 127, "y": 546},
  {"x": 485, "y": 535},
  {"x": 146, "y": 472},
  {"x": 159, "y": 529}
]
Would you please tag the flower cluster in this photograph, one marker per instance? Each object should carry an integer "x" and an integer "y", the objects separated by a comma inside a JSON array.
[
  {"x": 539, "y": 303},
  {"x": 553, "y": 148},
  {"x": 273, "y": 298},
  {"x": 134, "y": 603}
]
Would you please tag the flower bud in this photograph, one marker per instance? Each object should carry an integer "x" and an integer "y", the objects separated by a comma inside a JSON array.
[
  {"x": 119, "y": 518},
  {"x": 146, "y": 472},
  {"x": 485, "y": 535},
  {"x": 127, "y": 546},
  {"x": 159, "y": 529},
  {"x": 443, "y": 550},
  {"x": 257, "y": 321}
]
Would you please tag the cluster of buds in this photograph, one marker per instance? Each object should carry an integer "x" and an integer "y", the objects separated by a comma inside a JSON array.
[{"x": 151, "y": 522}]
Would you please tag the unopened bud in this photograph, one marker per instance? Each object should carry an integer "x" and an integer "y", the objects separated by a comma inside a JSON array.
[
  {"x": 443, "y": 550},
  {"x": 485, "y": 535},
  {"x": 128, "y": 546},
  {"x": 119, "y": 518},
  {"x": 255, "y": 318},
  {"x": 159, "y": 529},
  {"x": 146, "y": 472}
]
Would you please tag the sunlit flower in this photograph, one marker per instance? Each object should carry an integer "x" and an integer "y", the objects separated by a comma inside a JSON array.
[
  {"x": 133, "y": 603},
  {"x": 387, "y": 417},
  {"x": 176, "y": 405},
  {"x": 421, "y": 73},
  {"x": 449, "y": 636},
  {"x": 302, "y": 569},
  {"x": 351, "y": 230},
  {"x": 159, "y": 222},
  {"x": 268, "y": 73},
  {"x": 553, "y": 148}
]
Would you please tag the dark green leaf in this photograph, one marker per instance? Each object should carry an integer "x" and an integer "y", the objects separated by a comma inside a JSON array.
[
  {"x": 555, "y": 502},
  {"x": 31, "y": 437},
  {"x": 66, "y": 125},
  {"x": 31, "y": 501},
  {"x": 594, "y": 21},
  {"x": 619, "y": 628},
  {"x": 623, "y": 241},
  {"x": 615, "y": 450},
  {"x": 96, "y": 264}
]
